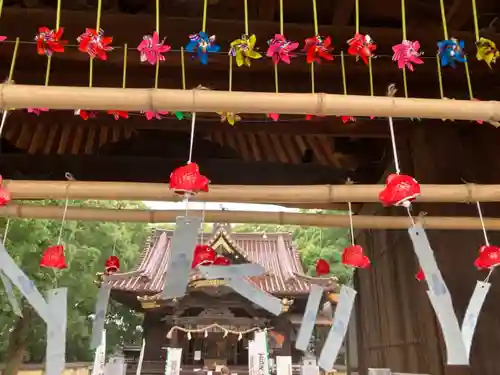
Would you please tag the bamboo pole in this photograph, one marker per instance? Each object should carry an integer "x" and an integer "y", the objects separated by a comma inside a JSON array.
[
  {"x": 251, "y": 217},
  {"x": 97, "y": 98},
  {"x": 307, "y": 194}
]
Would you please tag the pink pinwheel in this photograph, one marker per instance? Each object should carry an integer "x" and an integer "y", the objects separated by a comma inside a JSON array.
[
  {"x": 406, "y": 54},
  {"x": 154, "y": 115},
  {"x": 37, "y": 111},
  {"x": 152, "y": 49},
  {"x": 2, "y": 38},
  {"x": 273, "y": 116},
  {"x": 280, "y": 49}
]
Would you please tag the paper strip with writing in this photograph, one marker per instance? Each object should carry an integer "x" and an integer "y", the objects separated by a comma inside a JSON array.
[
  {"x": 55, "y": 360},
  {"x": 181, "y": 256},
  {"x": 10, "y": 295},
  {"x": 335, "y": 337},
  {"x": 309, "y": 317},
  {"x": 173, "y": 365},
  {"x": 23, "y": 283},
  {"x": 101, "y": 307},
  {"x": 440, "y": 298}
]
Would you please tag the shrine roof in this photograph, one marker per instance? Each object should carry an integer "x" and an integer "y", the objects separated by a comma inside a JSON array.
[{"x": 273, "y": 251}]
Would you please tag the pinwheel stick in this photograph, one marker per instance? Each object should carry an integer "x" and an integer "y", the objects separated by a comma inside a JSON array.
[
  {"x": 100, "y": 98},
  {"x": 279, "y": 218}
]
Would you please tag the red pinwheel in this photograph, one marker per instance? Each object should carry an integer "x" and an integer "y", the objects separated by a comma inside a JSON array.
[
  {"x": 112, "y": 265},
  {"x": 322, "y": 267},
  {"x": 188, "y": 180},
  {"x": 317, "y": 48},
  {"x": 221, "y": 261},
  {"x": 203, "y": 256},
  {"x": 346, "y": 119},
  {"x": 361, "y": 46},
  {"x": 154, "y": 115},
  {"x": 85, "y": 114},
  {"x": 118, "y": 114},
  {"x": 354, "y": 256},
  {"x": 95, "y": 43},
  {"x": 152, "y": 49},
  {"x": 2, "y": 38},
  {"x": 49, "y": 41},
  {"x": 273, "y": 116},
  {"x": 5, "y": 196},
  {"x": 37, "y": 111},
  {"x": 53, "y": 257},
  {"x": 400, "y": 190},
  {"x": 489, "y": 257},
  {"x": 420, "y": 275},
  {"x": 280, "y": 49}
]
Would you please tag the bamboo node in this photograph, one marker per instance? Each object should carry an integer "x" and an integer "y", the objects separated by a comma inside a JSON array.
[
  {"x": 281, "y": 218},
  {"x": 470, "y": 192},
  {"x": 320, "y": 103}
]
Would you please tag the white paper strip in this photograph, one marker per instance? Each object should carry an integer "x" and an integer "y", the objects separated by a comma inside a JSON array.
[
  {"x": 256, "y": 295},
  {"x": 141, "y": 358},
  {"x": 309, "y": 317},
  {"x": 261, "y": 353},
  {"x": 251, "y": 358},
  {"x": 100, "y": 356},
  {"x": 472, "y": 313},
  {"x": 10, "y": 295},
  {"x": 335, "y": 337},
  {"x": 283, "y": 365},
  {"x": 101, "y": 307},
  {"x": 173, "y": 363},
  {"x": 25, "y": 285},
  {"x": 440, "y": 298},
  {"x": 55, "y": 355},
  {"x": 228, "y": 272},
  {"x": 181, "y": 256}
]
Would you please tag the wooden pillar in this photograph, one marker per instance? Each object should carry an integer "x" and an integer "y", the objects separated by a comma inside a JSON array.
[
  {"x": 155, "y": 337},
  {"x": 397, "y": 326}
]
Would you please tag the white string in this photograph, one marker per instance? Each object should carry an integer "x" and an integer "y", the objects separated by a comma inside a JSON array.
[
  {"x": 203, "y": 221},
  {"x": 70, "y": 178},
  {"x": 4, "y": 117},
  {"x": 482, "y": 223},
  {"x": 351, "y": 223},
  {"x": 394, "y": 150},
  {"x": 191, "y": 140},
  {"x": 7, "y": 225}
]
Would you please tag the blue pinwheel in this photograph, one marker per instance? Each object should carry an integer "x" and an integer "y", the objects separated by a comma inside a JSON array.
[
  {"x": 202, "y": 44},
  {"x": 451, "y": 51}
]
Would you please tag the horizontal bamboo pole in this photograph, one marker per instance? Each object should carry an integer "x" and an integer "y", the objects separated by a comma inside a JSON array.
[
  {"x": 310, "y": 194},
  {"x": 99, "y": 98},
  {"x": 251, "y": 217}
]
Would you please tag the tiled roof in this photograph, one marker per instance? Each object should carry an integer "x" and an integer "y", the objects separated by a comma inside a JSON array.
[{"x": 273, "y": 251}]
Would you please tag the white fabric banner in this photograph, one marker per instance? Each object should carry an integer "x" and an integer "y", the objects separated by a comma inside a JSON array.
[
  {"x": 100, "y": 356},
  {"x": 284, "y": 365},
  {"x": 173, "y": 362},
  {"x": 260, "y": 353}
]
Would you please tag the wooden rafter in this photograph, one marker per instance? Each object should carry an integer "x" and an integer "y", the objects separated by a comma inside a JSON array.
[{"x": 342, "y": 12}]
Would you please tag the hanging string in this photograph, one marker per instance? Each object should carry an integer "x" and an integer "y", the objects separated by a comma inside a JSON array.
[
  {"x": 342, "y": 65},
  {"x": 370, "y": 72},
  {"x": 191, "y": 139},
  {"x": 1, "y": 8},
  {"x": 70, "y": 178},
  {"x": 157, "y": 73},
  {"x": 315, "y": 18},
  {"x": 403, "y": 27},
  {"x": 394, "y": 149},
  {"x": 204, "y": 19},
  {"x": 97, "y": 28},
  {"x": 125, "y": 55},
  {"x": 9, "y": 80},
  {"x": 158, "y": 16},
  {"x": 312, "y": 78},
  {"x": 183, "y": 69},
  {"x": 276, "y": 78},
  {"x": 476, "y": 20},
  {"x": 203, "y": 221},
  {"x": 485, "y": 234},
  {"x": 245, "y": 6},
  {"x": 282, "y": 26},
  {"x": 49, "y": 58},
  {"x": 351, "y": 225},
  {"x": 356, "y": 15},
  {"x": 230, "y": 73},
  {"x": 443, "y": 19},
  {"x": 440, "y": 77},
  {"x": 6, "y": 230}
]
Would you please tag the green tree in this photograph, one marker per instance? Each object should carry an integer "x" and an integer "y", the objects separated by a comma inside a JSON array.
[
  {"x": 87, "y": 245},
  {"x": 313, "y": 243}
]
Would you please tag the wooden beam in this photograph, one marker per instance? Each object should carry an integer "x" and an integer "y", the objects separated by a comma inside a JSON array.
[
  {"x": 156, "y": 169},
  {"x": 313, "y": 194},
  {"x": 278, "y": 218},
  {"x": 342, "y": 12},
  {"x": 97, "y": 98}
]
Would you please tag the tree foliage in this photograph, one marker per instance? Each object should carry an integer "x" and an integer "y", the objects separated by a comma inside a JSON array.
[
  {"x": 87, "y": 245},
  {"x": 313, "y": 243}
]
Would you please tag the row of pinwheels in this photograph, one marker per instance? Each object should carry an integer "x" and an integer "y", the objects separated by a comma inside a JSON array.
[{"x": 280, "y": 49}]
